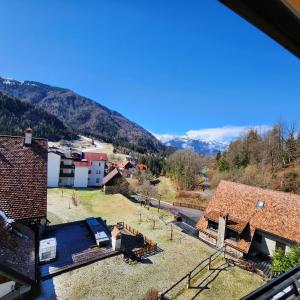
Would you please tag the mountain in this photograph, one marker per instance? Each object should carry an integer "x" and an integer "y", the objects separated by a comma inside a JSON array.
[
  {"x": 206, "y": 148},
  {"x": 83, "y": 114},
  {"x": 16, "y": 116}
]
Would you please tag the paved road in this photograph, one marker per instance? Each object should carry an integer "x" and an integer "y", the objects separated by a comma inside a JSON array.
[{"x": 191, "y": 213}]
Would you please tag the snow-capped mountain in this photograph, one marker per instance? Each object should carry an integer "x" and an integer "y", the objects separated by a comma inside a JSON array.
[{"x": 206, "y": 148}]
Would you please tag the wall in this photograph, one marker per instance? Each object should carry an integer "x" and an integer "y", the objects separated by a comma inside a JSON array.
[
  {"x": 97, "y": 173},
  {"x": 6, "y": 288},
  {"x": 268, "y": 243},
  {"x": 81, "y": 177},
  {"x": 53, "y": 169},
  {"x": 207, "y": 238}
]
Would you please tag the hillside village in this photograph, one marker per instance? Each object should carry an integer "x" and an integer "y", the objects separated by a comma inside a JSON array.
[{"x": 85, "y": 226}]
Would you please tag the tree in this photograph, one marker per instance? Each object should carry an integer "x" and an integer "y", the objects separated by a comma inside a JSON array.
[{"x": 183, "y": 167}]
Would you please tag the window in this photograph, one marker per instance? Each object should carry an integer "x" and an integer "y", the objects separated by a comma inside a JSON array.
[
  {"x": 232, "y": 235},
  {"x": 90, "y": 171},
  {"x": 280, "y": 246},
  {"x": 258, "y": 238},
  {"x": 97, "y": 180},
  {"x": 212, "y": 225},
  {"x": 99, "y": 164}
]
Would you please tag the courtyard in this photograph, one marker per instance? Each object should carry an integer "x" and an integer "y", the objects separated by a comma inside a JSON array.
[{"x": 114, "y": 278}]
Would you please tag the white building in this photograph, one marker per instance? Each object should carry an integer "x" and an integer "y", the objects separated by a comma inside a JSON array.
[
  {"x": 53, "y": 171},
  {"x": 96, "y": 169},
  {"x": 66, "y": 168},
  {"x": 81, "y": 174}
]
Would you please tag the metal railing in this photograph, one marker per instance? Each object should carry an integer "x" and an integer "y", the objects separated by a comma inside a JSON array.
[{"x": 206, "y": 263}]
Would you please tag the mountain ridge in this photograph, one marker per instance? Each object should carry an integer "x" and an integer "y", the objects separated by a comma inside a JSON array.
[
  {"x": 84, "y": 115},
  {"x": 205, "y": 148}
]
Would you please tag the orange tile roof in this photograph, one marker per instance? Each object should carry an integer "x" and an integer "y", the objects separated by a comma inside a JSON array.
[
  {"x": 93, "y": 156},
  {"x": 233, "y": 223},
  {"x": 142, "y": 167},
  {"x": 280, "y": 215}
]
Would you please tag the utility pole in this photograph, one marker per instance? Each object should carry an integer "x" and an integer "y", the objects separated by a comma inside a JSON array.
[{"x": 159, "y": 202}]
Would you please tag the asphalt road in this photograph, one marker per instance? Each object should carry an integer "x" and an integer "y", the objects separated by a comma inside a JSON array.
[{"x": 191, "y": 213}]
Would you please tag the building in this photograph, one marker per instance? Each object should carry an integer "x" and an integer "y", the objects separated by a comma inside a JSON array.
[
  {"x": 17, "y": 259},
  {"x": 23, "y": 178},
  {"x": 74, "y": 169},
  {"x": 251, "y": 220},
  {"x": 96, "y": 169},
  {"x": 54, "y": 158},
  {"x": 81, "y": 174},
  {"x": 279, "y": 19},
  {"x": 114, "y": 183}
]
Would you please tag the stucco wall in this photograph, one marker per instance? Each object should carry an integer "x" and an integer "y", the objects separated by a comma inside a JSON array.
[
  {"x": 268, "y": 244},
  {"x": 53, "y": 169},
  {"x": 81, "y": 177},
  {"x": 97, "y": 172}
]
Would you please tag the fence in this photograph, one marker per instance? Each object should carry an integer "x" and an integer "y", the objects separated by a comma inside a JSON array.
[
  {"x": 182, "y": 204},
  {"x": 151, "y": 246},
  {"x": 206, "y": 263}
]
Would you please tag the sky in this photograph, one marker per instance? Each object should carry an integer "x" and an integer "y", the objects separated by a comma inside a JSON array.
[{"x": 172, "y": 66}]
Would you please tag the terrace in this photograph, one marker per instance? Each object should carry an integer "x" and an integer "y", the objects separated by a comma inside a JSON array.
[{"x": 76, "y": 246}]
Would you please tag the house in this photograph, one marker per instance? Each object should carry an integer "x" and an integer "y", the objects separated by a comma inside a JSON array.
[
  {"x": 114, "y": 182},
  {"x": 97, "y": 165},
  {"x": 17, "y": 259},
  {"x": 125, "y": 167},
  {"x": 23, "y": 178},
  {"x": 251, "y": 220}
]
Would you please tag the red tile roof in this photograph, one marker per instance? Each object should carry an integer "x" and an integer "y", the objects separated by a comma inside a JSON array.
[
  {"x": 23, "y": 177},
  {"x": 93, "y": 156},
  {"x": 17, "y": 254},
  {"x": 280, "y": 215},
  {"x": 81, "y": 164}
]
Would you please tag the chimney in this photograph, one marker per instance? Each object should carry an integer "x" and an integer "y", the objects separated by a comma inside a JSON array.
[
  {"x": 222, "y": 229},
  {"x": 28, "y": 137}
]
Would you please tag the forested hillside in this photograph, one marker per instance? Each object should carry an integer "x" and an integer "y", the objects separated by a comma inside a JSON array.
[
  {"x": 270, "y": 160},
  {"x": 85, "y": 115},
  {"x": 16, "y": 116}
]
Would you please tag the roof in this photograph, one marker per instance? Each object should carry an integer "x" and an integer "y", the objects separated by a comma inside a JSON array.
[
  {"x": 280, "y": 215},
  {"x": 93, "y": 156},
  {"x": 110, "y": 176},
  {"x": 17, "y": 253},
  {"x": 279, "y": 19},
  {"x": 81, "y": 164},
  {"x": 122, "y": 164},
  {"x": 233, "y": 223},
  {"x": 142, "y": 167},
  {"x": 23, "y": 177},
  {"x": 116, "y": 233}
]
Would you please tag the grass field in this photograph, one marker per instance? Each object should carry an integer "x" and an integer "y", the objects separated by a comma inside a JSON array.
[{"x": 115, "y": 279}]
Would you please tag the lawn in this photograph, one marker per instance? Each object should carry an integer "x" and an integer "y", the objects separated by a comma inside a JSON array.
[{"x": 115, "y": 279}]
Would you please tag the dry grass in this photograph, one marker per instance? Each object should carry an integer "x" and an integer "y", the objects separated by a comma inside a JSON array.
[{"x": 113, "y": 278}]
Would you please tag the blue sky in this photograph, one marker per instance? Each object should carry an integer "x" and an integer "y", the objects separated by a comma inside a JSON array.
[{"x": 171, "y": 66}]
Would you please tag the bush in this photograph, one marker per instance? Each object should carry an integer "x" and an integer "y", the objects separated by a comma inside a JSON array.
[
  {"x": 282, "y": 262},
  {"x": 152, "y": 294}
]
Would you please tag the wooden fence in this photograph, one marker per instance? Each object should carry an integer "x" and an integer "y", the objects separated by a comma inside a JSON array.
[
  {"x": 151, "y": 246},
  {"x": 182, "y": 204},
  {"x": 206, "y": 263}
]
